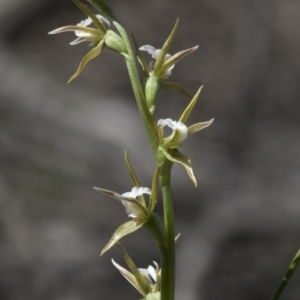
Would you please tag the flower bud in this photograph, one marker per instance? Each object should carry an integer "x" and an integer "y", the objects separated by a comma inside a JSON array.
[
  {"x": 114, "y": 42},
  {"x": 152, "y": 86}
]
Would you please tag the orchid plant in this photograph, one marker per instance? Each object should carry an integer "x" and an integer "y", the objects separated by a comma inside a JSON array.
[{"x": 153, "y": 283}]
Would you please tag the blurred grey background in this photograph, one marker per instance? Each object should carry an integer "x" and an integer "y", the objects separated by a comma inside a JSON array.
[{"x": 240, "y": 227}]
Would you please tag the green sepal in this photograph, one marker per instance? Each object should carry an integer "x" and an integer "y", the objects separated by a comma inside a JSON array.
[
  {"x": 174, "y": 59},
  {"x": 178, "y": 157},
  {"x": 88, "y": 57},
  {"x": 190, "y": 107},
  {"x": 114, "y": 42},
  {"x": 141, "y": 280},
  {"x": 199, "y": 126},
  {"x": 167, "y": 85},
  {"x": 164, "y": 50},
  {"x": 90, "y": 14},
  {"x": 123, "y": 230}
]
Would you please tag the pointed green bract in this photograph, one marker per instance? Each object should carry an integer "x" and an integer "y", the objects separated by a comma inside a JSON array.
[{"x": 88, "y": 57}]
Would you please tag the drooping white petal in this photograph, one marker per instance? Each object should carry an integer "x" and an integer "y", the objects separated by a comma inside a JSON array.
[
  {"x": 131, "y": 209},
  {"x": 176, "y": 126}
]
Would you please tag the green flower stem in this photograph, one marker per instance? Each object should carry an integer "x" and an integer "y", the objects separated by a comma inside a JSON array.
[
  {"x": 168, "y": 279},
  {"x": 130, "y": 59},
  {"x": 287, "y": 276}
]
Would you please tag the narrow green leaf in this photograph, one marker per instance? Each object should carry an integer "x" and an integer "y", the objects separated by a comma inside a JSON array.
[
  {"x": 190, "y": 107},
  {"x": 88, "y": 57}
]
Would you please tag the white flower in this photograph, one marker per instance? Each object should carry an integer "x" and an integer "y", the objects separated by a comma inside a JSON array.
[
  {"x": 147, "y": 284},
  {"x": 86, "y": 36},
  {"x": 131, "y": 208},
  {"x": 178, "y": 128},
  {"x": 150, "y": 273},
  {"x": 154, "y": 54}
]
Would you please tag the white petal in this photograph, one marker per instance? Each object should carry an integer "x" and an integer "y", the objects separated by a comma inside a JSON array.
[
  {"x": 135, "y": 192},
  {"x": 85, "y": 22},
  {"x": 132, "y": 210},
  {"x": 148, "y": 48},
  {"x": 175, "y": 126},
  {"x": 152, "y": 272}
]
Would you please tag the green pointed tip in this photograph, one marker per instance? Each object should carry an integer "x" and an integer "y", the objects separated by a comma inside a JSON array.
[
  {"x": 190, "y": 107},
  {"x": 164, "y": 50}
]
